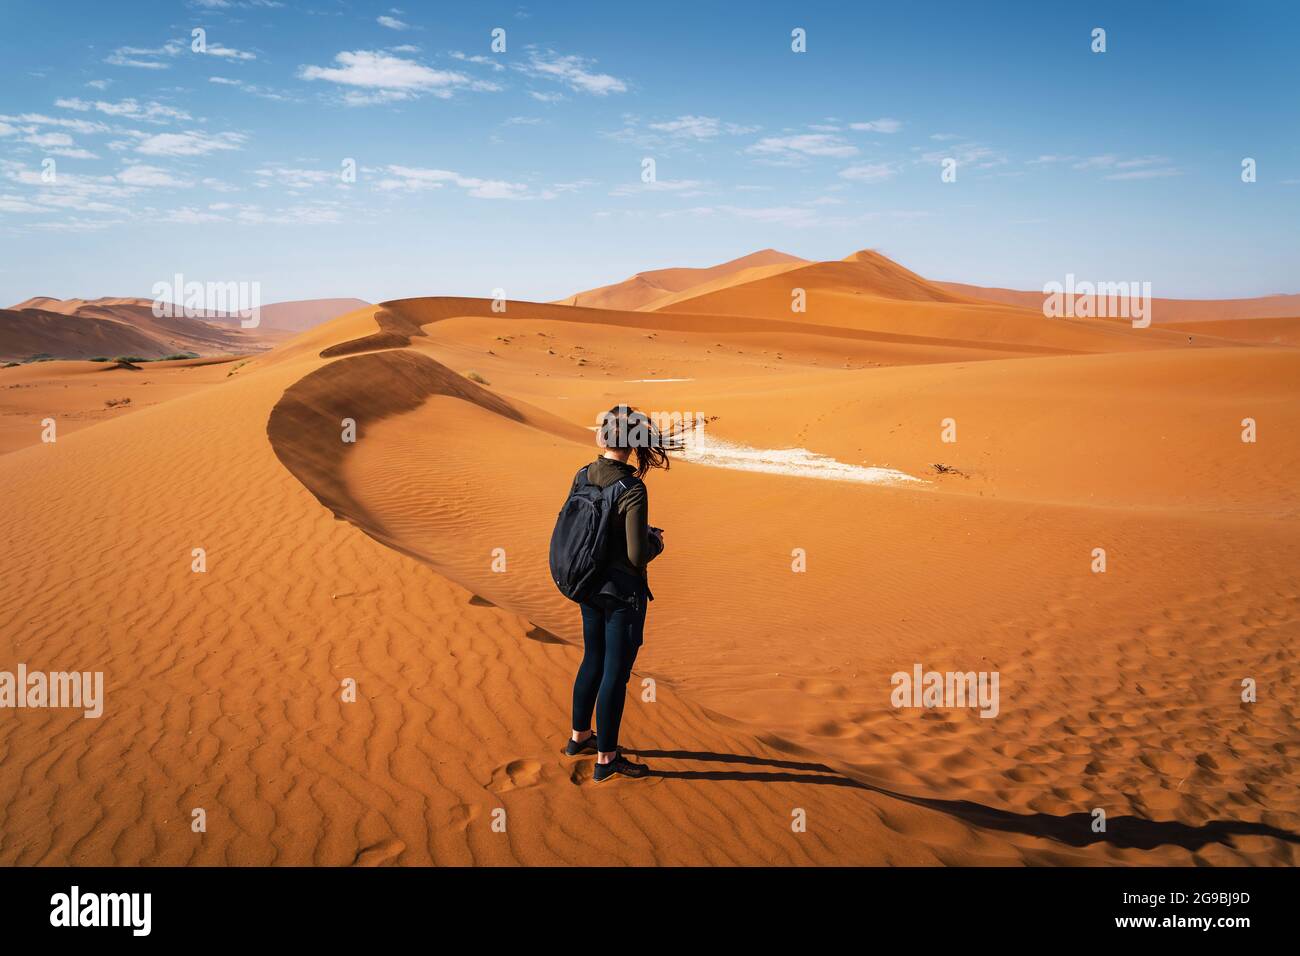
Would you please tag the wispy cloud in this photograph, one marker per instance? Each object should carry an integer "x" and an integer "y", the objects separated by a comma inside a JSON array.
[
  {"x": 189, "y": 143},
  {"x": 1136, "y": 167},
  {"x": 252, "y": 89},
  {"x": 882, "y": 125},
  {"x": 700, "y": 127},
  {"x": 972, "y": 154},
  {"x": 131, "y": 109},
  {"x": 683, "y": 187},
  {"x": 152, "y": 177},
  {"x": 146, "y": 58},
  {"x": 802, "y": 145},
  {"x": 414, "y": 179},
  {"x": 575, "y": 72},
  {"x": 478, "y": 59},
  {"x": 869, "y": 172}
]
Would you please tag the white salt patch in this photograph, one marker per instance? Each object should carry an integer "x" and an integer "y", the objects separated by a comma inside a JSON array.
[{"x": 800, "y": 462}]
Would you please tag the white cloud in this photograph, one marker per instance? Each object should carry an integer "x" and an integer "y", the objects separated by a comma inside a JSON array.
[
  {"x": 297, "y": 179},
  {"x": 478, "y": 59},
  {"x": 189, "y": 216},
  {"x": 191, "y": 143},
  {"x": 1137, "y": 167},
  {"x": 882, "y": 125},
  {"x": 803, "y": 144},
  {"x": 546, "y": 97},
  {"x": 48, "y": 139},
  {"x": 149, "y": 112},
  {"x": 226, "y": 53},
  {"x": 146, "y": 58},
  {"x": 869, "y": 172},
  {"x": 413, "y": 179},
  {"x": 975, "y": 155},
  {"x": 684, "y": 187},
  {"x": 389, "y": 78},
  {"x": 27, "y": 122},
  {"x": 392, "y": 23},
  {"x": 573, "y": 71},
  {"x": 1146, "y": 173},
  {"x": 150, "y": 176},
  {"x": 254, "y": 90},
  {"x": 700, "y": 127}
]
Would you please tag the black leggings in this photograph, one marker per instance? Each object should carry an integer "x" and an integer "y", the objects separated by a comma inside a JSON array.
[{"x": 611, "y": 637}]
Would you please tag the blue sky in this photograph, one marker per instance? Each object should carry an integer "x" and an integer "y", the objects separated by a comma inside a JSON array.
[{"x": 522, "y": 170}]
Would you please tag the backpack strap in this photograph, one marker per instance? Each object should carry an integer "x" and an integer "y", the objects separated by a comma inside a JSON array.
[{"x": 623, "y": 485}]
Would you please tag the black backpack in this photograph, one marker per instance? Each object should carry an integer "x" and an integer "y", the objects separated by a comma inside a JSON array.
[{"x": 580, "y": 541}]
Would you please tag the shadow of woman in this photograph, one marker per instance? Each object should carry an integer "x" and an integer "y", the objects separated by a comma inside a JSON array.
[{"x": 1072, "y": 829}]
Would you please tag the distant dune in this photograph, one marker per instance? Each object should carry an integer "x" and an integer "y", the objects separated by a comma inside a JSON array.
[
  {"x": 1163, "y": 311},
  {"x": 304, "y": 314},
  {"x": 645, "y": 288},
  {"x": 28, "y": 332},
  {"x": 109, "y": 327}
]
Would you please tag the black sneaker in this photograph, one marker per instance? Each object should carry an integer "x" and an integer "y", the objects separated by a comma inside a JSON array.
[
  {"x": 619, "y": 765},
  {"x": 576, "y": 749}
]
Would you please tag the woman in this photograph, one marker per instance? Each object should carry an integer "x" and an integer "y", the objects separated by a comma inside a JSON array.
[{"x": 613, "y": 621}]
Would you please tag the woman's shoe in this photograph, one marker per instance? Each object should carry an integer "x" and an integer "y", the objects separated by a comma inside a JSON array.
[
  {"x": 619, "y": 765},
  {"x": 576, "y": 748}
]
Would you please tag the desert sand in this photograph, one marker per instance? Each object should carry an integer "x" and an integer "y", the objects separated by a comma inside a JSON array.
[{"x": 374, "y": 561}]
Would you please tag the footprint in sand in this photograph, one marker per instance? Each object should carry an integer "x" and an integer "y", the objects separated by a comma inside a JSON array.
[
  {"x": 516, "y": 775},
  {"x": 581, "y": 773},
  {"x": 462, "y": 815},
  {"x": 377, "y": 854}
]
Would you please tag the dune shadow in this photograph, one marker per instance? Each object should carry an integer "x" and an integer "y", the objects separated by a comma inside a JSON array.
[
  {"x": 1072, "y": 829},
  {"x": 543, "y": 636}
]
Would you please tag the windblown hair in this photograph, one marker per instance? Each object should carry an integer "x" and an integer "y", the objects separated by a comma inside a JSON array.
[{"x": 623, "y": 427}]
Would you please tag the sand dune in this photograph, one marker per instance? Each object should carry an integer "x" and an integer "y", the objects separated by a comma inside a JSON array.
[
  {"x": 882, "y": 300},
  {"x": 375, "y": 560},
  {"x": 25, "y": 333},
  {"x": 306, "y": 313},
  {"x": 110, "y": 327},
  {"x": 647, "y": 289},
  {"x": 1164, "y": 311},
  {"x": 78, "y": 328}
]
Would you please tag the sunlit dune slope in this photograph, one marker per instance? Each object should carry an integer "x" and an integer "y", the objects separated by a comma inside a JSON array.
[
  {"x": 645, "y": 289},
  {"x": 876, "y": 296}
]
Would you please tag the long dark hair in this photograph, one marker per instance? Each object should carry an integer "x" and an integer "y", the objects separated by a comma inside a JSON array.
[{"x": 623, "y": 427}]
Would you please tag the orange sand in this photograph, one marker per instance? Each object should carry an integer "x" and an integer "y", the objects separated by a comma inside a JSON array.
[{"x": 1119, "y": 690}]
